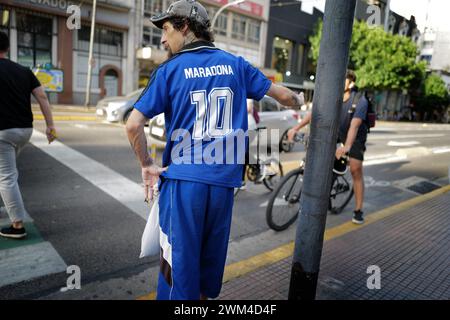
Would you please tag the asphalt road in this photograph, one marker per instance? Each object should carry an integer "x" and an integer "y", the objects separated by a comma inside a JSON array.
[{"x": 82, "y": 199}]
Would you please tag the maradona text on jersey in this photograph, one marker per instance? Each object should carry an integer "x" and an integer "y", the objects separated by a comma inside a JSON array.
[{"x": 205, "y": 72}]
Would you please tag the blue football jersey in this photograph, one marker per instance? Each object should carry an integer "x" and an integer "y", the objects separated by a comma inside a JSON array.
[{"x": 202, "y": 92}]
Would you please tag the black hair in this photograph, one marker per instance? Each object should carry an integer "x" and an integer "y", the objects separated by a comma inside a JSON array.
[
  {"x": 4, "y": 42},
  {"x": 200, "y": 30},
  {"x": 351, "y": 75}
]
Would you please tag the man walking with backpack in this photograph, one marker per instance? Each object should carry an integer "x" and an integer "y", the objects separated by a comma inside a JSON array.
[{"x": 353, "y": 131}]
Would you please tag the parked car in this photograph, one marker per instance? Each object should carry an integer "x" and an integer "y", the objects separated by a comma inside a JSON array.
[
  {"x": 117, "y": 109},
  {"x": 272, "y": 116}
]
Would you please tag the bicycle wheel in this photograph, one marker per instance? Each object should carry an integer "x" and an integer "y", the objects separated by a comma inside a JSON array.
[
  {"x": 284, "y": 204},
  {"x": 274, "y": 172},
  {"x": 341, "y": 192}
]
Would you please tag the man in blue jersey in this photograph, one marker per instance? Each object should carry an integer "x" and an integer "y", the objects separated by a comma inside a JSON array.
[{"x": 202, "y": 92}]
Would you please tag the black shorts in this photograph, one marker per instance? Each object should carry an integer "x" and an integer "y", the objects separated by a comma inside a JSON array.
[{"x": 357, "y": 150}]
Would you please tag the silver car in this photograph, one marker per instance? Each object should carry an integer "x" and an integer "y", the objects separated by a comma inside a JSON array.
[
  {"x": 117, "y": 109},
  {"x": 272, "y": 116}
]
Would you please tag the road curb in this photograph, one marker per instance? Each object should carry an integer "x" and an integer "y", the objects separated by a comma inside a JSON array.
[
  {"x": 67, "y": 109},
  {"x": 241, "y": 268},
  {"x": 68, "y": 118}
]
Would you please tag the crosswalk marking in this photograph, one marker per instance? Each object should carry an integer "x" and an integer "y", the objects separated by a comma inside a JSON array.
[
  {"x": 29, "y": 262},
  {"x": 34, "y": 260},
  {"x": 115, "y": 185}
]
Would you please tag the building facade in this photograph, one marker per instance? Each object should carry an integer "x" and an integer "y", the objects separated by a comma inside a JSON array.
[
  {"x": 39, "y": 35},
  {"x": 435, "y": 48},
  {"x": 288, "y": 45},
  {"x": 127, "y": 47}
]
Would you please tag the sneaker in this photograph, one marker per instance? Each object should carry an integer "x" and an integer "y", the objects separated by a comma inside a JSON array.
[
  {"x": 13, "y": 233},
  {"x": 358, "y": 217},
  {"x": 243, "y": 186}
]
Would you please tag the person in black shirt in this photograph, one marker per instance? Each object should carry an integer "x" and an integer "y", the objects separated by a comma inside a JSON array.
[
  {"x": 17, "y": 83},
  {"x": 353, "y": 135}
]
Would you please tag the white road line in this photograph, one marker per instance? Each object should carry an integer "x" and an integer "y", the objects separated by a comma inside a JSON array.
[
  {"x": 385, "y": 160},
  {"x": 402, "y": 143},
  {"x": 278, "y": 202},
  {"x": 29, "y": 262},
  {"x": 403, "y": 154},
  {"x": 438, "y": 150},
  {"x": 117, "y": 186},
  {"x": 380, "y": 156},
  {"x": 405, "y": 136}
]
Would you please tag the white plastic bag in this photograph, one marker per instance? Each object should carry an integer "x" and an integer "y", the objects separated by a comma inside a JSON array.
[{"x": 150, "y": 238}]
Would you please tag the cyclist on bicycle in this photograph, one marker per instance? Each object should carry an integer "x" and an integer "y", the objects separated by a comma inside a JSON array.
[{"x": 353, "y": 133}]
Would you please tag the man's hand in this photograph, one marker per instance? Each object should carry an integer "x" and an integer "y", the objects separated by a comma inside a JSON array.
[
  {"x": 341, "y": 151},
  {"x": 286, "y": 96},
  {"x": 291, "y": 133},
  {"x": 150, "y": 176},
  {"x": 51, "y": 134}
]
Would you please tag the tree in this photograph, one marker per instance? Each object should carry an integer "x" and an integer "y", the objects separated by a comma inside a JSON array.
[
  {"x": 434, "y": 92},
  {"x": 381, "y": 61}
]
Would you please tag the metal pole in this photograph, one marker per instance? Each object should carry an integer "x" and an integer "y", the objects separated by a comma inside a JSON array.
[
  {"x": 386, "y": 15},
  {"x": 332, "y": 64},
  {"x": 213, "y": 21},
  {"x": 91, "y": 48},
  {"x": 426, "y": 18}
]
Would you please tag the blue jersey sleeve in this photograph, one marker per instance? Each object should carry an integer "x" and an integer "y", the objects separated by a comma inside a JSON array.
[
  {"x": 154, "y": 99},
  {"x": 256, "y": 82}
]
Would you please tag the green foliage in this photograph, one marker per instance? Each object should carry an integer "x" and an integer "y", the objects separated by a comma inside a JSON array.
[
  {"x": 434, "y": 92},
  {"x": 382, "y": 61}
]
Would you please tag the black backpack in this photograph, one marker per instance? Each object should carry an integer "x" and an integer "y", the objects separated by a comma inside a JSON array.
[{"x": 371, "y": 115}]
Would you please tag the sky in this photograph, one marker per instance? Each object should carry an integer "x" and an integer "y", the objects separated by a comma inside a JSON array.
[{"x": 438, "y": 11}]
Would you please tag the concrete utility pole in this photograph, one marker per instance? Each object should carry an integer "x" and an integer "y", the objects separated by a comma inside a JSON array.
[
  {"x": 91, "y": 48},
  {"x": 331, "y": 69}
]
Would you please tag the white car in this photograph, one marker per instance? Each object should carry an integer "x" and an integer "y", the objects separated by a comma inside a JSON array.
[
  {"x": 117, "y": 109},
  {"x": 272, "y": 115}
]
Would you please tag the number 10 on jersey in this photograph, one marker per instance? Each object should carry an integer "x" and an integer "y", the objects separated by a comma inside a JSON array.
[{"x": 213, "y": 112}]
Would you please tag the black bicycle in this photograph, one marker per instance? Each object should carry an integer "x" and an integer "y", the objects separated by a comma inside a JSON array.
[
  {"x": 284, "y": 204},
  {"x": 266, "y": 170}
]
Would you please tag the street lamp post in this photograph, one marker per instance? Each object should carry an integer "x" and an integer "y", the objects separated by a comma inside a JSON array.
[
  {"x": 386, "y": 15},
  {"x": 223, "y": 8},
  {"x": 90, "y": 61}
]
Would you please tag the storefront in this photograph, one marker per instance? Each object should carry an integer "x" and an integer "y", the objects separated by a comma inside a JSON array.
[
  {"x": 40, "y": 37},
  {"x": 288, "y": 44}
]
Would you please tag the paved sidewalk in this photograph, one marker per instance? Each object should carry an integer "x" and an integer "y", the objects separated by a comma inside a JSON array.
[{"x": 411, "y": 246}]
